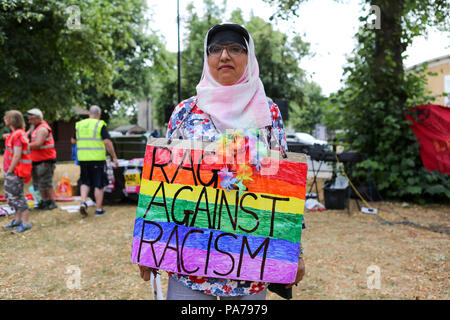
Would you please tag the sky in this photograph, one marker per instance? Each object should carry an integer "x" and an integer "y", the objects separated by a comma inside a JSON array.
[{"x": 327, "y": 25}]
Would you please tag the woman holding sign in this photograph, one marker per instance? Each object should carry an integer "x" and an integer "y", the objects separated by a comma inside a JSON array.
[{"x": 230, "y": 95}]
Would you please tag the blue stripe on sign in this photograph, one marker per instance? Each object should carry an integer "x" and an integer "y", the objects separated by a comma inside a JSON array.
[{"x": 278, "y": 249}]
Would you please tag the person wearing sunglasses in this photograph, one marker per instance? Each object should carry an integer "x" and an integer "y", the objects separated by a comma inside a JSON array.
[{"x": 230, "y": 95}]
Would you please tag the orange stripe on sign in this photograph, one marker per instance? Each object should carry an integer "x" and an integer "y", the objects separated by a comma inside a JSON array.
[
  {"x": 167, "y": 174},
  {"x": 285, "y": 171},
  {"x": 259, "y": 184},
  {"x": 275, "y": 169},
  {"x": 278, "y": 176},
  {"x": 262, "y": 185}
]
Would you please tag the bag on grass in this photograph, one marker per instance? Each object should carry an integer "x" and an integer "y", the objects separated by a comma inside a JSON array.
[{"x": 64, "y": 187}]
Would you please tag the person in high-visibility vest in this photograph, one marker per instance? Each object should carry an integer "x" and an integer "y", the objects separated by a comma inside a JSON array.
[
  {"x": 43, "y": 154},
  {"x": 93, "y": 140},
  {"x": 17, "y": 167}
]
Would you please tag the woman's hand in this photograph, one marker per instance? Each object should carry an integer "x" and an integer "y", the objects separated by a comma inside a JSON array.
[
  {"x": 145, "y": 272},
  {"x": 300, "y": 273}
]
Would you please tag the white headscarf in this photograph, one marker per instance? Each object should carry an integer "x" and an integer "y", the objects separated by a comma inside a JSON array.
[{"x": 242, "y": 105}]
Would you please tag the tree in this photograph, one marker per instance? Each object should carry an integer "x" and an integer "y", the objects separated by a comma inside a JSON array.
[
  {"x": 49, "y": 63},
  {"x": 305, "y": 117},
  {"x": 377, "y": 91},
  {"x": 135, "y": 64},
  {"x": 165, "y": 92},
  {"x": 278, "y": 60},
  {"x": 192, "y": 55}
]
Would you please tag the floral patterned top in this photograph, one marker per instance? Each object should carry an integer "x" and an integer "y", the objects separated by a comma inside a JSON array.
[
  {"x": 189, "y": 122},
  {"x": 199, "y": 126}
]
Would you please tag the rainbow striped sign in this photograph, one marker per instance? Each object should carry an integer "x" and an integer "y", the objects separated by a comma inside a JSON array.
[{"x": 187, "y": 223}]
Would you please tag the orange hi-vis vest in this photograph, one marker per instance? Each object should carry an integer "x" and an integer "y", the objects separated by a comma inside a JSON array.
[
  {"x": 47, "y": 150},
  {"x": 23, "y": 168}
]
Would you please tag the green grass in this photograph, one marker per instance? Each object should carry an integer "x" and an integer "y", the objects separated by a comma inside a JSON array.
[{"x": 338, "y": 250}]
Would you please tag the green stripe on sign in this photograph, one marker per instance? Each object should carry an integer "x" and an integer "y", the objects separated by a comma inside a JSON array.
[{"x": 287, "y": 226}]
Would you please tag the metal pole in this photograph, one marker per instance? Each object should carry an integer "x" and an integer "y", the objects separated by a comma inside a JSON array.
[
  {"x": 179, "y": 53},
  {"x": 146, "y": 111}
]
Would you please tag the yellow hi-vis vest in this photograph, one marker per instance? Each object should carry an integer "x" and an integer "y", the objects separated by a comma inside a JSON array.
[{"x": 90, "y": 145}]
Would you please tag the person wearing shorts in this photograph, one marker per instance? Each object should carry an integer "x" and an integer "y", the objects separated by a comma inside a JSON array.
[
  {"x": 42, "y": 175},
  {"x": 14, "y": 192},
  {"x": 43, "y": 154},
  {"x": 93, "y": 139},
  {"x": 93, "y": 174},
  {"x": 17, "y": 167}
]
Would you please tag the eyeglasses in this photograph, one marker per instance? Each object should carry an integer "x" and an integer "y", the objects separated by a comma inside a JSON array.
[{"x": 234, "y": 50}]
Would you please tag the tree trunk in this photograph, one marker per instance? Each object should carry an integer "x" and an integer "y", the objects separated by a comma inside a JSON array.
[{"x": 389, "y": 49}]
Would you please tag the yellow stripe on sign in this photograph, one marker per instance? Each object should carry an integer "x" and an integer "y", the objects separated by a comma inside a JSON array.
[{"x": 293, "y": 205}]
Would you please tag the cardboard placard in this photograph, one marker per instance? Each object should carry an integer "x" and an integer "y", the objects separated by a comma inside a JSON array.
[{"x": 187, "y": 223}]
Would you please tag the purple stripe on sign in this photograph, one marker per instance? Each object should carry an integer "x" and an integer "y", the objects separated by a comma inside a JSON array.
[
  {"x": 280, "y": 249},
  {"x": 198, "y": 262}
]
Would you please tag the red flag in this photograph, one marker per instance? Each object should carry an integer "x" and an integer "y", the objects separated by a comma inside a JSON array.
[{"x": 431, "y": 125}]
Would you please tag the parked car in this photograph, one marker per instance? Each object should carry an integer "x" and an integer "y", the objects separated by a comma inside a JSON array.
[
  {"x": 303, "y": 142},
  {"x": 123, "y": 182},
  {"x": 305, "y": 138},
  {"x": 115, "y": 133}
]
